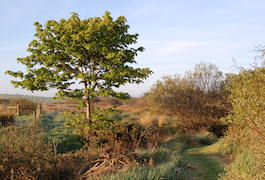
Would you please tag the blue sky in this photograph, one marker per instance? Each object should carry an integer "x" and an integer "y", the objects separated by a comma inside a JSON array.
[{"x": 176, "y": 34}]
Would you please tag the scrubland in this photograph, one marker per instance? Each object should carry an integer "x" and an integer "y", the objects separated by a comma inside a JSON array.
[{"x": 202, "y": 125}]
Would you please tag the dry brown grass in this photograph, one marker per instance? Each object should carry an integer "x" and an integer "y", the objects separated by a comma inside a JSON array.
[{"x": 134, "y": 105}]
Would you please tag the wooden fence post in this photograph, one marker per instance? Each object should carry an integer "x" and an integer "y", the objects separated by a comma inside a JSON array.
[
  {"x": 38, "y": 112},
  {"x": 17, "y": 110},
  {"x": 34, "y": 117}
]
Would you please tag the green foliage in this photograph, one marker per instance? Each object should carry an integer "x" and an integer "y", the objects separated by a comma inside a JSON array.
[
  {"x": 196, "y": 99},
  {"x": 243, "y": 167},
  {"x": 110, "y": 127},
  {"x": 101, "y": 119},
  {"x": 127, "y": 134},
  {"x": 247, "y": 98},
  {"x": 247, "y": 131},
  {"x": 95, "y": 52}
]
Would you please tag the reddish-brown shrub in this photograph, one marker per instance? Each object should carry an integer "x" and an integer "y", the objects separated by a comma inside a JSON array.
[
  {"x": 6, "y": 119},
  {"x": 197, "y": 99},
  {"x": 24, "y": 155}
]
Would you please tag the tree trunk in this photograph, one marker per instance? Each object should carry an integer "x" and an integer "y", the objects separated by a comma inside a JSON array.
[{"x": 88, "y": 110}]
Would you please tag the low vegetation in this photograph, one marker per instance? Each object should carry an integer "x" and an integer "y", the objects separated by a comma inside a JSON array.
[
  {"x": 197, "y": 99},
  {"x": 6, "y": 119},
  {"x": 247, "y": 128}
]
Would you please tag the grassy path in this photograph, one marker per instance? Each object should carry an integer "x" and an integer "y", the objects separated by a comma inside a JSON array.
[
  {"x": 202, "y": 162},
  {"x": 203, "y": 166}
]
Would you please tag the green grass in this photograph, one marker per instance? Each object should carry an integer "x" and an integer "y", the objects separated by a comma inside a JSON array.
[
  {"x": 204, "y": 159},
  {"x": 23, "y": 119},
  {"x": 168, "y": 165},
  {"x": 204, "y": 166},
  {"x": 56, "y": 132},
  {"x": 180, "y": 158},
  {"x": 53, "y": 129}
]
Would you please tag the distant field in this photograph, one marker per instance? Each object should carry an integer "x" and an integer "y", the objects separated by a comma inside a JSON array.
[{"x": 33, "y": 98}]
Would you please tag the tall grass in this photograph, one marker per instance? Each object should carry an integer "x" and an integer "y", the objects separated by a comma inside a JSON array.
[{"x": 161, "y": 164}]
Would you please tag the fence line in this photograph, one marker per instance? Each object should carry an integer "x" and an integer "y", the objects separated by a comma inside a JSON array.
[
  {"x": 47, "y": 108},
  {"x": 13, "y": 109},
  {"x": 41, "y": 108}
]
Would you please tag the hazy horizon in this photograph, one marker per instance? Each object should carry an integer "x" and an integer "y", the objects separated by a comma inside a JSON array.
[{"x": 176, "y": 34}]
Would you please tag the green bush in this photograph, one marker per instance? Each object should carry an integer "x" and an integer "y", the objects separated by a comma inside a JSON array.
[
  {"x": 101, "y": 119},
  {"x": 109, "y": 128},
  {"x": 246, "y": 119}
]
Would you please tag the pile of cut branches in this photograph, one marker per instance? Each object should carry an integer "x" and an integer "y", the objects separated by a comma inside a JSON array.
[{"x": 107, "y": 163}]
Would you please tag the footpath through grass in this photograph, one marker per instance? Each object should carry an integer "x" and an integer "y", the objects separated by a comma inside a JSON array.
[
  {"x": 178, "y": 158},
  {"x": 201, "y": 163},
  {"x": 203, "y": 166}
]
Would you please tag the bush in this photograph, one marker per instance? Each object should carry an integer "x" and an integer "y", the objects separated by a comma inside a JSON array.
[
  {"x": 246, "y": 119},
  {"x": 101, "y": 119},
  {"x": 111, "y": 127},
  {"x": 197, "y": 99},
  {"x": 6, "y": 119},
  {"x": 25, "y": 155},
  {"x": 129, "y": 135}
]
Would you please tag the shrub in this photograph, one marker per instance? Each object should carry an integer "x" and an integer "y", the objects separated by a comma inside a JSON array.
[
  {"x": 110, "y": 127},
  {"x": 126, "y": 136},
  {"x": 6, "y": 119},
  {"x": 25, "y": 155},
  {"x": 247, "y": 116},
  {"x": 102, "y": 119},
  {"x": 197, "y": 99}
]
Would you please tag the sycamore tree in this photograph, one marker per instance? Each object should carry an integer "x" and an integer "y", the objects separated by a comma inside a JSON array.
[{"x": 97, "y": 53}]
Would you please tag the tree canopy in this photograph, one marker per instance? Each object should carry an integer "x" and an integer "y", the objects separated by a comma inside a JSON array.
[{"x": 95, "y": 52}]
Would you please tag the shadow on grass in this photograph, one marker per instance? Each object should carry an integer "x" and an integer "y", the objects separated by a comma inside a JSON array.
[
  {"x": 55, "y": 132},
  {"x": 204, "y": 166}
]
